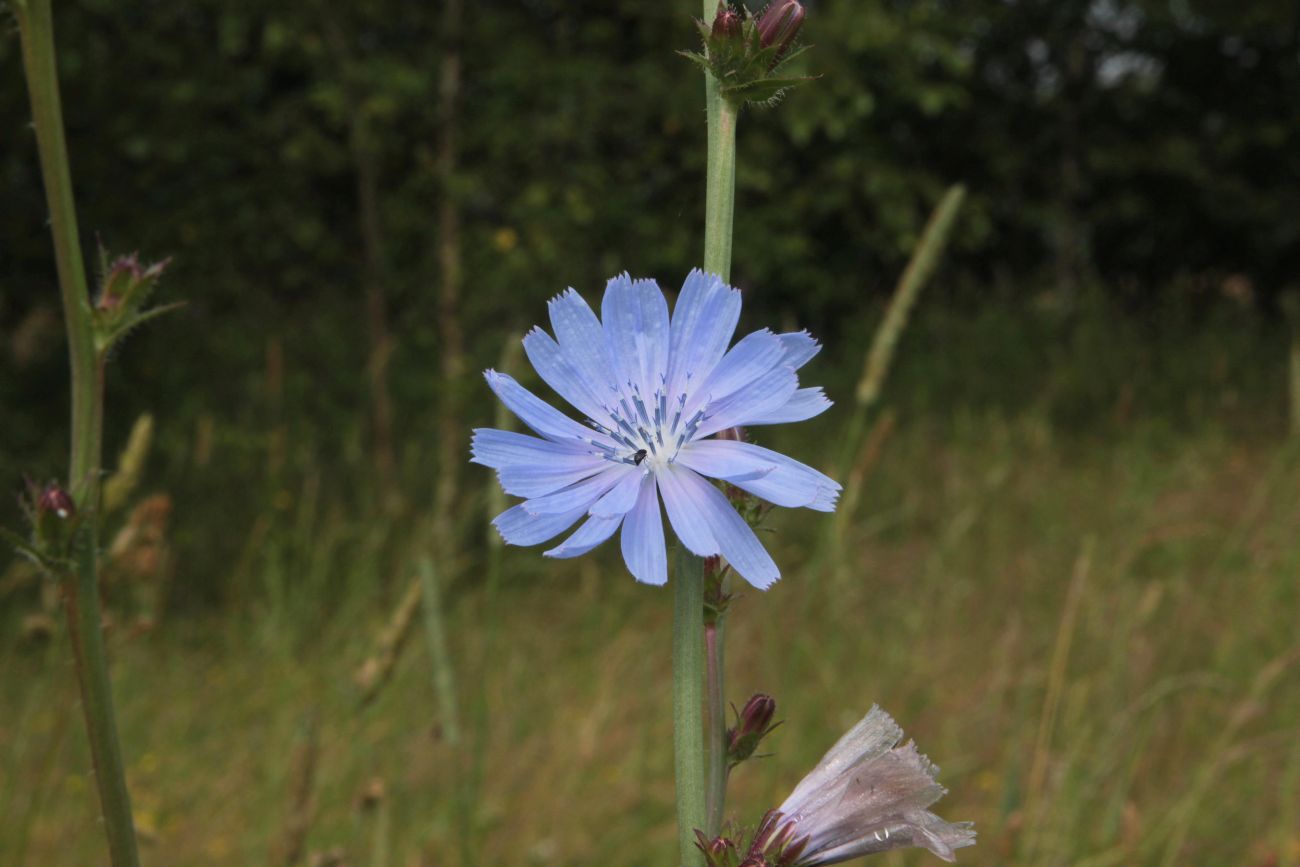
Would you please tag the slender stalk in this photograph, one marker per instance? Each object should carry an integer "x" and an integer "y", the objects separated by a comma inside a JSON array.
[
  {"x": 81, "y": 583},
  {"x": 720, "y": 195},
  {"x": 715, "y": 728},
  {"x": 689, "y": 628},
  {"x": 81, "y": 599},
  {"x": 688, "y": 700},
  {"x": 36, "y": 27},
  {"x": 444, "y": 684}
]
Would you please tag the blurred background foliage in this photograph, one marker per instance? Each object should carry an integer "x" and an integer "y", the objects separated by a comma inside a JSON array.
[
  {"x": 1138, "y": 151},
  {"x": 1103, "y": 351}
]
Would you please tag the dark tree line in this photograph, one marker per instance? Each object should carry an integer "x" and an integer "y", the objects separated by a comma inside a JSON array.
[{"x": 1144, "y": 149}]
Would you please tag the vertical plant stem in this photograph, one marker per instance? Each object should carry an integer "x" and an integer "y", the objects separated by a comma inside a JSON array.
[
  {"x": 81, "y": 599},
  {"x": 444, "y": 684},
  {"x": 699, "y": 799},
  {"x": 36, "y": 26},
  {"x": 720, "y": 193},
  {"x": 688, "y": 700},
  {"x": 81, "y": 584},
  {"x": 715, "y": 726}
]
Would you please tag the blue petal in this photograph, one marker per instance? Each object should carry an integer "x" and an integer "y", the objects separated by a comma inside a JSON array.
[
  {"x": 745, "y": 362},
  {"x": 518, "y": 526},
  {"x": 560, "y": 373},
  {"x": 804, "y": 404},
  {"x": 800, "y": 347},
  {"x": 684, "y": 511},
  {"x": 592, "y": 532},
  {"x": 634, "y": 315},
  {"x": 581, "y": 495},
  {"x": 538, "y": 480},
  {"x": 532, "y": 467},
  {"x": 694, "y": 503},
  {"x": 643, "y": 537},
  {"x": 786, "y": 482},
  {"x": 704, "y": 319},
  {"x": 622, "y": 497},
  {"x": 499, "y": 448},
  {"x": 582, "y": 340},
  {"x": 756, "y": 400},
  {"x": 539, "y": 415}
]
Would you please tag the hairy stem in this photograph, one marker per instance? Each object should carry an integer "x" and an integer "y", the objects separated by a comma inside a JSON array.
[
  {"x": 81, "y": 581},
  {"x": 688, "y": 700}
]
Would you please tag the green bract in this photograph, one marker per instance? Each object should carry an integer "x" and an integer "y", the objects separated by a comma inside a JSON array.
[{"x": 746, "y": 70}]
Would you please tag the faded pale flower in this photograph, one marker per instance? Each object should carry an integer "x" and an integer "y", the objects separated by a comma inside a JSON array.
[
  {"x": 654, "y": 391},
  {"x": 869, "y": 795}
]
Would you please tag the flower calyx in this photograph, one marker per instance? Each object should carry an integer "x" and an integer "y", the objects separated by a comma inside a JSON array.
[
  {"x": 774, "y": 843},
  {"x": 125, "y": 285},
  {"x": 749, "y": 55},
  {"x": 718, "y": 852},
  {"x": 753, "y": 723},
  {"x": 54, "y": 519}
]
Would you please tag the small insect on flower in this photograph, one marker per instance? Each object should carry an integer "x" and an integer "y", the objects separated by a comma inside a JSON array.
[{"x": 655, "y": 391}]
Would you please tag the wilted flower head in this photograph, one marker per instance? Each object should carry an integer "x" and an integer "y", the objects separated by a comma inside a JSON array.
[
  {"x": 654, "y": 389},
  {"x": 869, "y": 795}
]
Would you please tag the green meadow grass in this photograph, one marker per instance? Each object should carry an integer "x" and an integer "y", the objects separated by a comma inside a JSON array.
[{"x": 1095, "y": 638}]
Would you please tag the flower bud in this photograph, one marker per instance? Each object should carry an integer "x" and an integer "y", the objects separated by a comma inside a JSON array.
[
  {"x": 718, "y": 852},
  {"x": 125, "y": 285},
  {"x": 779, "y": 25},
  {"x": 753, "y": 723},
  {"x": 56, "y": 502},
  {"x": 727, "y": 24},
  {"x": 54, "y": 516}
]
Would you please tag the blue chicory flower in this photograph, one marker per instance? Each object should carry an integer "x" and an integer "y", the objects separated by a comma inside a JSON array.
[{"x": 653, "y": 391}]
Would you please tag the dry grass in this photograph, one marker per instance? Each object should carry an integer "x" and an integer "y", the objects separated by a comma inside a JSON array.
[{"x": 1162, "y": 728}]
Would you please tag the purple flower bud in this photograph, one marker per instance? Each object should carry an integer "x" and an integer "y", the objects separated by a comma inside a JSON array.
[
  {"x": 126, "y": 279},
  {"x": 753, "y": 723},
  {"x": 54, "y": 516},
  {"x": 727, "y": 24},
  {"x": 718, "y": 852},
  {"x": 779, "y": 24},
  {"x": 56, "y": 502}
]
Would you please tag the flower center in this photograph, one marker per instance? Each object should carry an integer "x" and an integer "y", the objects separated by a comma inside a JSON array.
[{"x": 648, "y": 432}]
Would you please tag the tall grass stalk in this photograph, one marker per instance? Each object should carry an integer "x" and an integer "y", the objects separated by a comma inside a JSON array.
[
  {"x": 875, "y": 368},
  {"x": 859, "y": 454},
  {"x": 1056, "y": 681},
  {"x": 435, "y": 633},
  {"x": 81, "y": 580}
]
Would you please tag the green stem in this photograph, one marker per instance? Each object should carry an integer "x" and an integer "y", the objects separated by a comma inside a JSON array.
[
  {"x": 706, "y": 641},
  {"x": 81, "y": 585},
  {"x": 36, "y": 26},
  {"x": 720, "y": 194},
  {"x": 81, "y": 598},
  {"x": 688, "y": 700},
  {"x": 715, "y": 727}
]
